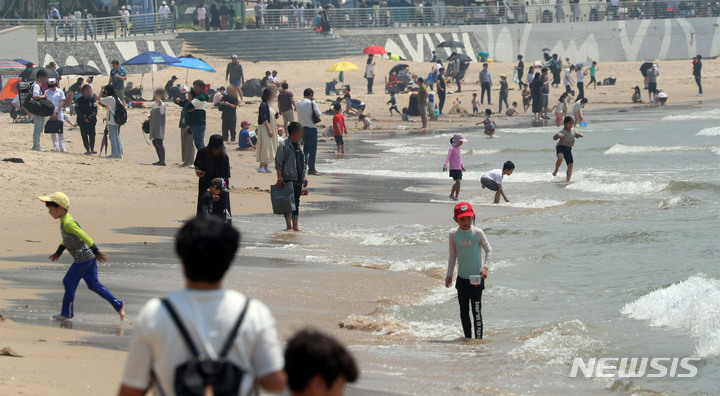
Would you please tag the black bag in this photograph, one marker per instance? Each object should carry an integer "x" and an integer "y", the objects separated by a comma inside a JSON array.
[
  {"x": 193, "y": 377},
  {"x": 120, "y": 115},
  {"x": 283, "y": 200},
  {"x": 315, "y": 118},
  {"x": 54, "y": 126},
  {"x": 41, "y": 107},
  {"x": 146, "y": 126}
]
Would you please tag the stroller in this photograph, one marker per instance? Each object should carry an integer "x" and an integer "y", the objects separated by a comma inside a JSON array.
[{"x": 132, "y": 93}]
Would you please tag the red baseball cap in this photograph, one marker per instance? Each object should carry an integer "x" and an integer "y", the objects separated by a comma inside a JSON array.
[{"x": 464, "y": 209}]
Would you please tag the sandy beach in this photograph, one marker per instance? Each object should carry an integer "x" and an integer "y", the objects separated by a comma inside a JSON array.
[{"x": 108, "y": 195}]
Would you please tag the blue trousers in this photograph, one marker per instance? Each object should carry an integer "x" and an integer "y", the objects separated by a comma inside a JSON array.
[
  {"x": 310, "y": 141},
  {"x": 89, "y": 272},
  {"x": 198, "y": 135},
  {"x": 114, "y": 137}
]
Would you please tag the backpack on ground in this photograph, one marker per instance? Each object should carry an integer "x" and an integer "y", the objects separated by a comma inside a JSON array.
[
  {"x": 120, "y": 114},
  {"x": 40, "y": 107},
  {"x": 194, "y": 377}
]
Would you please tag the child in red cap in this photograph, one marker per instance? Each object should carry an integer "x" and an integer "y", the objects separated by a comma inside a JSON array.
[{"x": 465, "y": 243}]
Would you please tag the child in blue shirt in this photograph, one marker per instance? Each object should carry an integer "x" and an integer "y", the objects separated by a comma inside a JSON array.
[
  {"x": 244, "y": 141},
  {"x": 465, "y": 243}
]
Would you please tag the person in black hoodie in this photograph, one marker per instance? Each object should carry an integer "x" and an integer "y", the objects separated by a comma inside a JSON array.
[
  {"x": 212, "y": 162},
  {"x": 86, "y": 111}
]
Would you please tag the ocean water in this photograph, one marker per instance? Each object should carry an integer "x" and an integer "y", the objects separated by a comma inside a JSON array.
[{"x": 622, "y": 262}]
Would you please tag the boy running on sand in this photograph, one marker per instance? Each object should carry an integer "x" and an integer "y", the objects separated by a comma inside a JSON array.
[
  {"x": 339, "y": 128},
  {"x": 492, "y": 180},
  {"x": 592, "y": 70},
  {"x": 489, "y": 123},
  {"x": 85, "y": 254},
  {"x": 212, "y": 195},
  {"x": 465, "y": 243},
  {"x": 393, "y": 104},
  {"x": 566, "y": 141},
  {"x": 456, "y": 165}
]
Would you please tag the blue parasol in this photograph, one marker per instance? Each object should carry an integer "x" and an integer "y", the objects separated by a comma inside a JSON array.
[
  {"x": 191, "y": 62},
  {"x": 152, "y": 58}
]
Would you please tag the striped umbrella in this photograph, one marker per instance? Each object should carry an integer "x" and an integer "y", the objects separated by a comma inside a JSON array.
[{"x": 10, "y": 67}]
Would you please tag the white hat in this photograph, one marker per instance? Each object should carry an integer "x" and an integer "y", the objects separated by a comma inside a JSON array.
[
  {"x": 164, "y": 3},
  {"x": 234, "y": 57},
  {"x": 52, "y": 81},
  {"x": 655, "y": 66}
]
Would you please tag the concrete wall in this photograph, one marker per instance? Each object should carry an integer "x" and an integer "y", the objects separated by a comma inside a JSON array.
[
  {"x": 602, "y": 41},
  {"x": 19, "y": 42},
  {"x": 100, "y": 53}
]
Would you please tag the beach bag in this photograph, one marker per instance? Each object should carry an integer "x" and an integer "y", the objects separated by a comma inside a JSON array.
[
  {"x": 54, "y": 126},
  {"x": 120, "y": 115},
  {"x": 315, "y": 118},
  {"x": 146, "y": 126},
  {"x": 200, "y": 374},
  {"x": 283, "y": 200},
  {"x": 40, "y": 107}
]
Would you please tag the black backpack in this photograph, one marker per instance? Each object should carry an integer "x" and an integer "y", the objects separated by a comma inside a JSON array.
[
  {"x": 41, "y": 107},
  {"x": 193, "y": 377},
  {"x": 120, "y": 115}
]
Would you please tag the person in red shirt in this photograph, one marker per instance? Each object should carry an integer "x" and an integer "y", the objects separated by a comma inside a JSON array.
[{"x": 339, "y": 128}]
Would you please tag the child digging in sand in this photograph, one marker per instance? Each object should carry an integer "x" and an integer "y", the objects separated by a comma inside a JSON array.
[
  {"x": 85, "y": 257},
  {"x": 493, "y": 180},
  {"x": 456, "y": 165},
  {"x": 465, "y": 243}
]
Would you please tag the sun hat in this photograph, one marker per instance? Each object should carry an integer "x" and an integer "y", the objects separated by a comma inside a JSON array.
[
  {"x": 58, "y": 197},
  {"x": 463, "y": 209},
  {"x": 234, "y": 57},
  {"x": 220, "y": 183},
  {"x": 215, "y": 142},
  {"x": 457, "y": 138},
  {"x": 52, "y": 81}
]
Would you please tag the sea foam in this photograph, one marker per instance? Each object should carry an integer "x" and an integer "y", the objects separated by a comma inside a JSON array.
[
  {"x": 714, "y": 131},
  {"x": 623, "y": 149},
  {"x": 713, "y": 114},
  {"x": 692, "y": 305}
]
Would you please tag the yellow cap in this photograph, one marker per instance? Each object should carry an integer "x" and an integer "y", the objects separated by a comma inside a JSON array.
[{"x": 57, "y": 197}]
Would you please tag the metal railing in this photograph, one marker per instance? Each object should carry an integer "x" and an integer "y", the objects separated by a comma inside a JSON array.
[
  {"x": 496, "y": 13},
  {"x": 95, "y": 28}
]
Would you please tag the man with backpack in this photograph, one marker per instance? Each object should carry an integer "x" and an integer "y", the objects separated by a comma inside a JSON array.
[
  {"x": 232, "y": 338},
  {"x": 37, "y": 94}
]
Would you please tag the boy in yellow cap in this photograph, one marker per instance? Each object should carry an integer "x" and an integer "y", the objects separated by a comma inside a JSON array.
[{"x": 85, "y": 254}]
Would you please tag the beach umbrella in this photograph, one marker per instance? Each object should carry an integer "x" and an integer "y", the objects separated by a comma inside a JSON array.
[
  {"x": 191, "y": 62},
  {"x": 449, "y": 44},
  {"x": 78, "y": 70},
  {"x": 374, "y": 50},
  {"x": 342, "y": 66},
  {"x": 30, "y": 73},
  {"x": 23, "y": 61},
  {"x": 397, "y": 68},
  {"x": 10, "y": 67},
  {"x": 583, "y": 64},
  {"x": 151, "y": 58}
]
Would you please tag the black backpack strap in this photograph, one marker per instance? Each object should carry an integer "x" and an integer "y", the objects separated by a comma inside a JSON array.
[
  {"x": 233, "y": 334},
  {"x": 180, "y": 326}
]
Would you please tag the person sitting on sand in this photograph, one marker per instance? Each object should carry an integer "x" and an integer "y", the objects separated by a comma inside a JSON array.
[
  {"x": 563, "y": 150},
  {"x": 661, "y": 97},
  {"x": 465, "y": 243},
  {"x": 493, "y": 180},
  {"x": 366, "y": 122},
  {"x": 318, "y": 365},
  {"x": 637, "y": 95},
  {"x": 209, "y": 316},
  {"x": 512, "y": 110},
  {"x": 85, "y": 255}
]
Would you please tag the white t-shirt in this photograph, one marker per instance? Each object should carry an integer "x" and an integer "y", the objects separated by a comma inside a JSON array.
[
  {"x": 494, "y": 175},
  {"x": 164, "y": 11},
  {"x": 208, "y": 316},
  {"x": 568, "y": 76},
  {"x": 109, "y": 102},
  {"x": 577, "y": 107},
  {"x": 217, "y": 97},
  {"x": 272, "y": 79},
  {"x": 579, "y": 76},
  {"x": 560, "y": 107},
  {"x": 201, "y": 11},
  {"x": 57, "y": 97},
  {"x": 36, "y": 90}
]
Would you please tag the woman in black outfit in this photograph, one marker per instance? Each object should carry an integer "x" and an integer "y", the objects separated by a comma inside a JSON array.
[
  {"x": 211, "y": 162},
  {"x": 536, "y": 92},
  {"x": 215, "y": 14},
  {"x": 86, "y": 111}
]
